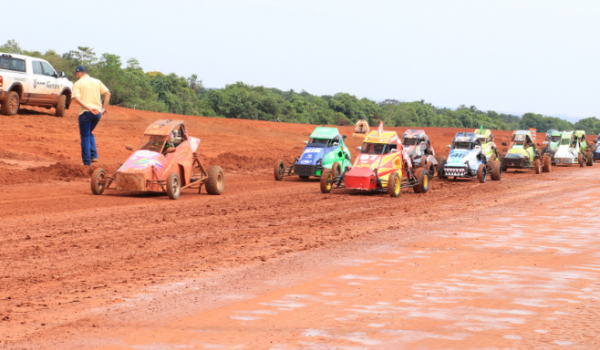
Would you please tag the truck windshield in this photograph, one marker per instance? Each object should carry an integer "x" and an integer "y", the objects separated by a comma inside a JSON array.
[
  {"x": 13, "y": 64},
  {"x": 554, "y": 138},
  {"x": 565, "y": 141},
  {"x": 315, "y": 142}
]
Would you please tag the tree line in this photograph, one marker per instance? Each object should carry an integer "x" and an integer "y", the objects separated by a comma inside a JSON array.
[{"x": 131, "y": 87}]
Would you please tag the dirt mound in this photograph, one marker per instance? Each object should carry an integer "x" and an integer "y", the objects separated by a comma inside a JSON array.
[
  {"x": 58, "y": 171},
  {"x": 5, "y": 154},
  {"x": 244, "y": 164}
]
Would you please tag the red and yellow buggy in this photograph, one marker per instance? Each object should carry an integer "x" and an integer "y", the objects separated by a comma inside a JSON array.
[
  {"x": 381, "y": 166},
  {"x": 165, "y": 161}
]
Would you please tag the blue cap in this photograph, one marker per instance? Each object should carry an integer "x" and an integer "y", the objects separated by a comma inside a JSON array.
[{"x": 80, "y": 69}]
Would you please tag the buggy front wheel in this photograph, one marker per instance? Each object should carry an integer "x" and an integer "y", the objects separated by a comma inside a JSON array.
[
  {"x": 538, "y": 166},
  {"x": 581, "y": 160},
  {"x": 98, "y": 181},
  {"x": 278, "y": 170},
  {"x": 394, "y": 185},
  {"x": 423, "y": 177},
  {"x": 173, "y": 186},
  {"x": 482, "y": 173},
  {"x": 547, "y": 166},
  {"x": 497, "y": 170},
  {"x": 326, "y": 181}
]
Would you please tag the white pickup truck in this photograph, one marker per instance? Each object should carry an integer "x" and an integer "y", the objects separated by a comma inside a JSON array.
[{"x": 32, "y": 81}]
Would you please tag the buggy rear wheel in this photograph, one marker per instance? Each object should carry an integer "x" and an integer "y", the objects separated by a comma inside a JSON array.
[
  {"x": 423, "y": 177},
  {"x": 440, "y": 169},
  {"x": 173, "y": 186},
  {"x": 393, "y": 188},
  {"x": 497, "y": 170},
  {"x": 215, "y": 184},
  {"x": 482, "y": 173},
  {"x": 547, "y": 166},
  {"x": 590, "y": 158},
  {"x": 581, "y": 161},
  {"x": 538, "y": 166},
  {"x": 326, "y": 181},
  {"x": 278, "y": 170},
  {"x": 98, "y": 181}
]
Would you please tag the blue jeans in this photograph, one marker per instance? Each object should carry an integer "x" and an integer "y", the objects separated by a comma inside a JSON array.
[{"x": 87, "y": 124}]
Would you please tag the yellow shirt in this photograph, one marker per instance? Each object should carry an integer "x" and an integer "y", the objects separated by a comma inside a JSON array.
[{"x": 89, "y": 90}]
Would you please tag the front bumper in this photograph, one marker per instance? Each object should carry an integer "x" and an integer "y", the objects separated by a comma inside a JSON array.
[
  {"x": 455, "y": 171},
  {"x": 516, "y": 162},
  {"x": 361, "y": 183},
  {"x": 564, "y": 161},
  {"x": 131, "y": 181},
  {"x": 308, "y": 170}
]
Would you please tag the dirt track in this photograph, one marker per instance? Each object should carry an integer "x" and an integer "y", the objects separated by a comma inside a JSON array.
[{"x": 69, "y": 261}]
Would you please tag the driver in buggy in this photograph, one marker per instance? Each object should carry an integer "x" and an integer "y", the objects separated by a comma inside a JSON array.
[
  {"x": 362, "y": 127},
  {"x": 156, "y": 142}
]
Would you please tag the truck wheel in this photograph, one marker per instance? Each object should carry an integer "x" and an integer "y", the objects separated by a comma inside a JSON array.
[
  {"x": 216, "y": 180},
  {"x": 482, "y": 173},
  {"x": 173, "y": 186},
  {"x": 581, "y": 162},
  {"x": 11, "y": 104},
  {"x": 98, "y": 181},
  {"x": 278, "y": 170},
  {"x": 590, "y": 158},
  {"x": 538, "y": 166},
  {"x": 497, "y": 172},
  {"x": 336, "y": 169},
  {"x": 61, "y": 106},
  {"x": 393, "y": 188},
  {"x": 423, "y": 177},
  {"x": 326, "y": 181},
  {"x": 547, "y": 166}
]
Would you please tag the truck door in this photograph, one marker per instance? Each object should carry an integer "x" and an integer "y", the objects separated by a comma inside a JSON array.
[
  {"x": 52, "y": 86},
  {"x": 38, "y": 83}
]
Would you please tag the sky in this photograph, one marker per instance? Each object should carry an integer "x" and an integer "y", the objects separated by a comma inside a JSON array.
[{"x": 514, "y": 56}]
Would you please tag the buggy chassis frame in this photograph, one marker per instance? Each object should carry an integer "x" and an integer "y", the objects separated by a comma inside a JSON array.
[
  {"x": 488, "y": 169},
  {"x": 411, "y": 181},
  {"x": 163, "y": 183}
]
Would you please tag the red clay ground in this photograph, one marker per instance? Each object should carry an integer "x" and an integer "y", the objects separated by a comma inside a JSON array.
[{"x": 72, "y": 265}]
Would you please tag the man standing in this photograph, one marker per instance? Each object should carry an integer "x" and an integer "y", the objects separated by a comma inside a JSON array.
[{"x": 86, "y": 92}]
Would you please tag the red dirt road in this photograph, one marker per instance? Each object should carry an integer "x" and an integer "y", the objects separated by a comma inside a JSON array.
[{"x": 84, "y": 271}]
